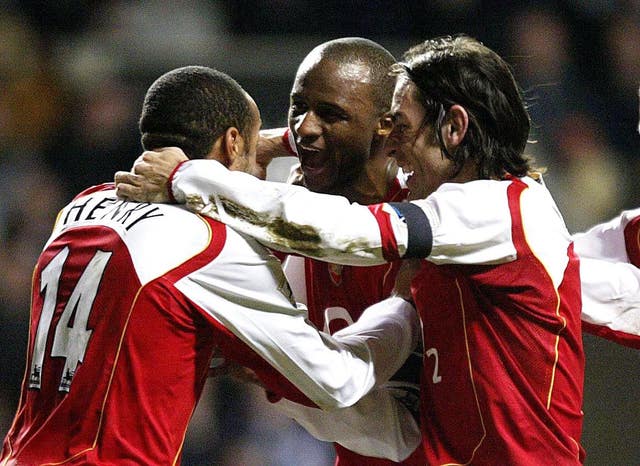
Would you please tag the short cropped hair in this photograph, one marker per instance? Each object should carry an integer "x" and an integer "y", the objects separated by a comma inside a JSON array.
[
  {"x": 190, "y": 108},
  {"x": 371, "y": 54},
  {"x": 460, "y": 70}
]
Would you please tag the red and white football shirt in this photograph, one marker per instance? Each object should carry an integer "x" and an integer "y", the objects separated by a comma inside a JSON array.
[
  {"x": 336, "y": 295},
  {"x": 129, "y": 302},
  {"x": 499, "y": 298}
]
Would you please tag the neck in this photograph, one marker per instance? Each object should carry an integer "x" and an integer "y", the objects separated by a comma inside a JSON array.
[{"x": 469, "y": 172}]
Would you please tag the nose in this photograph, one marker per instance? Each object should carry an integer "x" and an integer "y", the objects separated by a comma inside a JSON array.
[{"x": 307, "y": 126}]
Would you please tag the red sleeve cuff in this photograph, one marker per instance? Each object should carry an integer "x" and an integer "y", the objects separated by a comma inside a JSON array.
[
  {"x": 286, "y": 142},
  {"x": 170, "y": 182},
  {"x": 389, "y": 244},
  {"x": 632, "y": 241}
]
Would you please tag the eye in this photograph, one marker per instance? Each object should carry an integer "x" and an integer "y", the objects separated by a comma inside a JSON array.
[{"x": 331, "y": 114}]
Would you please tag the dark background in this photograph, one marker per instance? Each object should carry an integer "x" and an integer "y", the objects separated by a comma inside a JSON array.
[{"x": 73, "y": 75}]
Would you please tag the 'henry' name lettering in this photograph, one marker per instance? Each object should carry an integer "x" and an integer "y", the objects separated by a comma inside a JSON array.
[{"x": 111, "y": 208}]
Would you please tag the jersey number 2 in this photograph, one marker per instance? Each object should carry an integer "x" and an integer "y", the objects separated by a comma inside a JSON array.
[
  {"x": 68, "y": 342},
  {"x": 435, "y": 378}
]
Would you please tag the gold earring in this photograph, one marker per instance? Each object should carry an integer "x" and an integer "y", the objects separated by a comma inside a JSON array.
[{"x": 385, "y": 126}]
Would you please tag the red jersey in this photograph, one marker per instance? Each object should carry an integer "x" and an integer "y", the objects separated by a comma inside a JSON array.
[
  {"x": 129, "y": 301},
  {"x": 336, "y": 295},
  {"x": 503, "y": 368}
]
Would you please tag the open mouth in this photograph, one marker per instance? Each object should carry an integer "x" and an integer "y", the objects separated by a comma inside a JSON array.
[{"x": 312, "y": 160}]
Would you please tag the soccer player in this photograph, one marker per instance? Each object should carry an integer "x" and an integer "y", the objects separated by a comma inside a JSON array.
[
  {"x": 341, "y": 91},
  {"x": 499, "y": 289},
  {"x": 130, "y": 300}
]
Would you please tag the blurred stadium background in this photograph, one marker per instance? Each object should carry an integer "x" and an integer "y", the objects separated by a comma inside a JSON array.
[{"x": 73, "y": 75}]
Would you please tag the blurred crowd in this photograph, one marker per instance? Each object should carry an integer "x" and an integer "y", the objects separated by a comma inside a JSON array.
[{"x": 73, "y": 75}]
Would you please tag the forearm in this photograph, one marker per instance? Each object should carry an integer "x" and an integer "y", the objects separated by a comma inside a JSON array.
[
  {"x": 611, "y": 300},
  {"x": 391, "y": 323},
  {"x": 331, "y": 372},
  {"x": 378, "y": 425},
  {"x": 287, "y": 218}
]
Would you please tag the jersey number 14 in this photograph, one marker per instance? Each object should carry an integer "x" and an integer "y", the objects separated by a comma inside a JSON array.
[{"x": 69, "y": 342}]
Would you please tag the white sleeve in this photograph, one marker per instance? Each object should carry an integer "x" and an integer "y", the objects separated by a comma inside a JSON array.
[
  {"x": 285, "y": 217},
  {"x": 466, "y": 232},
  {"x": 611, "y": 298},
  {"x": 605, "y": 241},
  {"x": 378, "y": 425},
  {"x": 452, "y": 225},
  {"x": 399, "y": 322},
  {"x": 245, "y": 290},
  {"x": 610, "y": 284}
]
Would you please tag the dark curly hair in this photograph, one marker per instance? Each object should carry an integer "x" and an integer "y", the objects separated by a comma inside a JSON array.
[{"x": 190, "y": 108}]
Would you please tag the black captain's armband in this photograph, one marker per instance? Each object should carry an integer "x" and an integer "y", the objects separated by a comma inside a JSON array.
[{"x": 420, "y": 237}]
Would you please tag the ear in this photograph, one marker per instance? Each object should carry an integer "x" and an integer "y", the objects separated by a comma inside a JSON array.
[
  {"x": 232, "y": 145},
  {"x": 382, "y": 131},
  {"x": 455, "y": 129}
]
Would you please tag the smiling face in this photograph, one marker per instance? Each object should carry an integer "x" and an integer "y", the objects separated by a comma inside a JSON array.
[
  {"x": 414, "y": 144},
  {"x": 333, "y": 118}
]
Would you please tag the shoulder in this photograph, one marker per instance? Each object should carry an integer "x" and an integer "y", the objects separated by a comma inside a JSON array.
[
  {"x": 467, "y": 203},
  {"x": 94, "y": 189},
  {"x": 482, "y": 198},
  {"x": 157, "y": 237}
]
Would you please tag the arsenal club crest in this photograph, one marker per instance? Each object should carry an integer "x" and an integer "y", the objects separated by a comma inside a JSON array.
[{"x": 335, "y": 272}]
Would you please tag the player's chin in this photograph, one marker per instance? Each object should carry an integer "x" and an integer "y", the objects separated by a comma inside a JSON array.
[
  {"x": 417, "y": 188},
  {"x": 318, "y": 180}
]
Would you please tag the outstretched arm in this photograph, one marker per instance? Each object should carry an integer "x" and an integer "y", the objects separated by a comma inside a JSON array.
[{"x": 283, "y": 217}]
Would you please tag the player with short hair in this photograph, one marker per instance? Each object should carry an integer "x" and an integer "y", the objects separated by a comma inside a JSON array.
[
  {"x": 341, "y": 91},
  {"x": 130, "y": 300}
]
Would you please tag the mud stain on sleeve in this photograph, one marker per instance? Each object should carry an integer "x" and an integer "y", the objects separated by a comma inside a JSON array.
[{"x": 301, "y": 238}]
